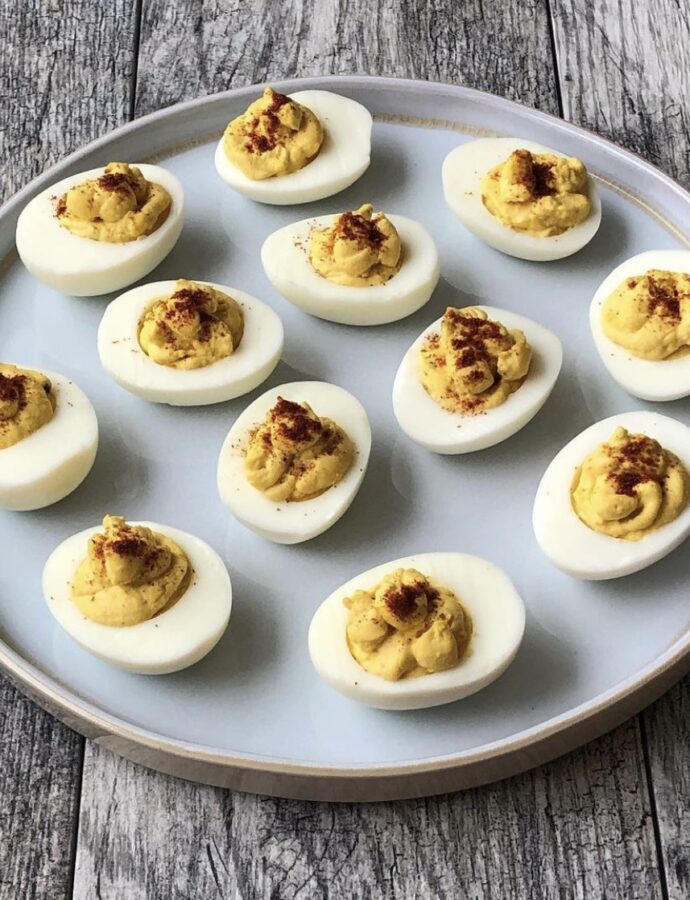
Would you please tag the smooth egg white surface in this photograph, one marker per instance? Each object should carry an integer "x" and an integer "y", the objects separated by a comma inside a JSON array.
[
  {"x": 296, "y": 521},
  {"x": 437, "y": 429},
  {"x": 498, "y": 624},
  {"x": 285, "y": 258},
  {"x": 577, "y": 549},
  {"x": 83, "y": 267},
  {"x": 463, "y": 171},
  {"x": 343, "y": 157},
  {"x": 172, "y": 640},
  {"x": 125, "y": 361},
  {"x": 656, "y": 380},
  {"x": 54, "y": 460}
]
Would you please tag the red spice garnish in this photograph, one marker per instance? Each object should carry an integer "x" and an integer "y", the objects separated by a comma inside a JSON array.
[
  {"x": 12, "y": 389},
  {"x": 627, "y": 481},
  {"x": 663, "y": 299},
  {"x": 61, "y": 206},
  {"x": 187, "y": 299},
  {"x": 188, "y": 303},
  {"x": 470, "y": 343},
  {"x": 128, "y": 546},
  {"x": 294, "y": 422},
  {"x": 403, "y": 602},
  {"x": 353, "y": 227},
  {"x": 543, "y": 180},
  {"x": 537, "y": 177},
  {"x": 115, "y": 181},
  {"x": 639, "y": 460},
  {"x": 267, "y": 139}
]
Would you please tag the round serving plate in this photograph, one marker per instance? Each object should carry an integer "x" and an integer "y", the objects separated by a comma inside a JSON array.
[{"x": 253, "y": 715}]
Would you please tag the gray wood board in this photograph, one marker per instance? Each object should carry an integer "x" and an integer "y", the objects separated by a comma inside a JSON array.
[
  {"x": 583, "y": 826},
  {"x": 574, "y": 828}
]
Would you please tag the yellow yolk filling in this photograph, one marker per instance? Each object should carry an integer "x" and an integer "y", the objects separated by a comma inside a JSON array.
[
  {"x": 474, "y": 363},
  {"x": 407, "y": 626},
  {"x": 194, "y": 327},
  {"x": 537, "y": 193},
  {"x": 129, "y": 575},
  {"x": 359, "y": 249},
  {"x": 630, "y": 486},
  {"x": 118, "y": 207},
  {"x": 275, "y": 136},
  {"x": 649, "y": 315},
  {"x": 27, "y": 402},
  {"x": 296, "y": 455}
]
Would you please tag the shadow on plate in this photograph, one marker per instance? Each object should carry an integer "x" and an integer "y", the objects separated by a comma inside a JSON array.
[
  {"x": 543, "y": 667},
  {"x": 379, "y": 508}
]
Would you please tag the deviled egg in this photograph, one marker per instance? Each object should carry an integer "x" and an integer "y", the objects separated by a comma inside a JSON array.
[
  {"x": 357, "y": 268},
  {"x": 296, "y": 148},
  {"x": 189, "y": 343},
  {"x": 473, "y": 378},
  {"x": 143, "y": 597},
  {"x": 640, "y": 321},
  {"x": 418, "y": 632},
  {"x": 615, "y": 499},
  {"x": 101, "y": 230},
  {"x": 522, "y": 198},
  {"x": 294, "y": 460},
  {"x": 48, "y": 437}
]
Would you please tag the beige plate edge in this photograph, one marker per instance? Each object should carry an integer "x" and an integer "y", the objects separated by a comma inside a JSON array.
[{"x": 261, "y": 776}]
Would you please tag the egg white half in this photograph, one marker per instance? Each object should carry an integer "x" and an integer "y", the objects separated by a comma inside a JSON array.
[
  {"x": 172, "y": 640},
  {"x": 285, "y": 258},
  {"x": 463, "y": 171},
  {"x": 296, "y": 521},
  {"x": 83, "y": 267},
  {"x": 498, "y": 623},
  {"x": 656, "y": 380},
  {"x": 124, "y": 360},
  {"x": 577, "y": 549},
  {"x": 50, "y": 463},
  {"x": 343, "y": 157},
  {"x": 437, "y": 429}
]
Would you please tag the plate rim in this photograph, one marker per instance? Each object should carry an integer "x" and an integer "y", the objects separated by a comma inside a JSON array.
[{"x": 254, "y": 773}]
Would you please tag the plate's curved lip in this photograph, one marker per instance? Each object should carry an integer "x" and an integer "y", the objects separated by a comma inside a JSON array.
[
  {"x": 50, "y": 690},
  {"x": 52, "y": 693},
  {"x": 381, "y": 83}
]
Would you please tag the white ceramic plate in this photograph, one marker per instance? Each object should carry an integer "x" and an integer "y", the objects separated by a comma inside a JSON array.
[{"x": 253, "y": 714}]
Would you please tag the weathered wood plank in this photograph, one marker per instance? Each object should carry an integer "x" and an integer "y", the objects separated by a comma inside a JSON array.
[
  {"x": 580, "y": 827},
  {"x": 190, "y": 49},
  {"x": 65, "y": 78},
  {"x": 65, "y": 75},
  {"x": 625, "y": 72},
  {"x": 574, "y": 829},
  {"x": 40, "y": 765},
  {"x": 667, "y": 728}
]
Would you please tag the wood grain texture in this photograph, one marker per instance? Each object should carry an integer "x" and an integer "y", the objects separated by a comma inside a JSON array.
[
  {"x": 577, "y": 828},
  {"x": 65, "y": 77},
  {"x": 667, "y": 729},
  {"x": 40, "y": 768},
  {"x": 580, "y": 827},
  {"x": 625, "y": 72},
  {"x": 189, "y": 49}
]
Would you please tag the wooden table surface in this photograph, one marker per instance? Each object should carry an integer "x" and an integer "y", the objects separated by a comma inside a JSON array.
[{"x": 608, "y": 821}]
